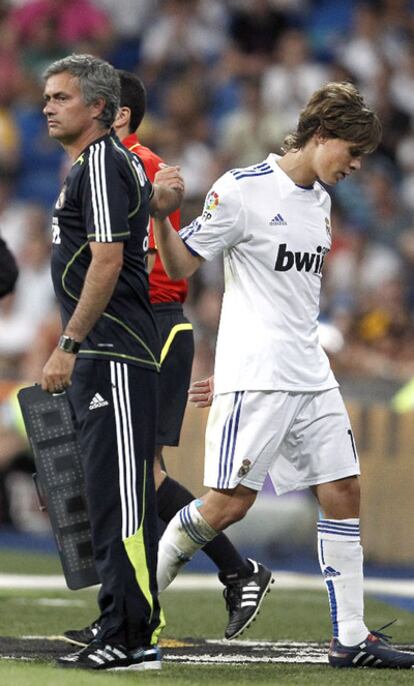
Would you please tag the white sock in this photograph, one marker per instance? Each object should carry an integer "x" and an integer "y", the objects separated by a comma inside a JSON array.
[
  {"x": 186, "y": 533},
  {"x": 341, "y": 561}
]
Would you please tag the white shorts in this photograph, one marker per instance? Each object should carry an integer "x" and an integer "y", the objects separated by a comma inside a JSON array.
[{"x": 300, "y": 439}]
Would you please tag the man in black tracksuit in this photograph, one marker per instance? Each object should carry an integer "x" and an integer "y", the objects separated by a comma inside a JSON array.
[{"x": 108, "y": 354}]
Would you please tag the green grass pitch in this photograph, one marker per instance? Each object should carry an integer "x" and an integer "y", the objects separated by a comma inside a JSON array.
[{"x": 290, "y": 616}]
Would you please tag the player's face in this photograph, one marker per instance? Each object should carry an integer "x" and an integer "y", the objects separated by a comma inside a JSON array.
[
  {"x": 335, "y": 159},
  {"x": 68, "y": 117}
]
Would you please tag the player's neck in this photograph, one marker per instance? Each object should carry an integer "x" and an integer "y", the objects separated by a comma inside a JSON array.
[
  {"x": 122, "y": 132},
  {"x": 296, "y": 165},
  {"x": 76, "y": 147}
]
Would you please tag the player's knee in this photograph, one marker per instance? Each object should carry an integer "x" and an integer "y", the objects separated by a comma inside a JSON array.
[
  {"x": 221, "y": 508},
  {"x": 236, "y": 508},
  {"x": 339, "y": 499},
  {"x": 348, "y": 489},
  {"x": 237, "y": 511}
]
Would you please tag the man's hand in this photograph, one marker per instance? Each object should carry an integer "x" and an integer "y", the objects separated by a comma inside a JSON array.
[
  {"x": 169, "y": 176},
  {"x": 201, "y": 392},
  {"x": 168, "y": 189},
  {"x": 57, "y": 372}
]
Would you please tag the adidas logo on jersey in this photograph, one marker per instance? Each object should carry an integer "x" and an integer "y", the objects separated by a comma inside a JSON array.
[
  {"x": 277, "y": 221},
  {"x": 97, "y": 401}
]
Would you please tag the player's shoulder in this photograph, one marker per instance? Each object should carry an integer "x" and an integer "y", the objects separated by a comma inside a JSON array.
[
  {"x": 254, "y": 171},
  {"x": 127, "y": 162},
  {"x": 234, "y": 180},
  {"x": 108, "y": 157},
  {"x": 105, "y": 151}
]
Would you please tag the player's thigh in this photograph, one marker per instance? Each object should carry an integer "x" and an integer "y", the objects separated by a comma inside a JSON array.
[
  {"x": 244, "y": 434},
  {"x": 176, "y": 364},
  {"x": 320, "y": 446}
]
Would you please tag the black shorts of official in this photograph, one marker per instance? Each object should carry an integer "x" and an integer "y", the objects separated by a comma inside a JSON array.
[
  {"x": 177, "y": 352},
  {"x": 115, "y": 407}
]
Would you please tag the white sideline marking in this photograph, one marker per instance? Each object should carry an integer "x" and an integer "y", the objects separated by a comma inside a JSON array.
[
  {"x": 296, "y": 581},
  {"x": 197, "y": 582}
]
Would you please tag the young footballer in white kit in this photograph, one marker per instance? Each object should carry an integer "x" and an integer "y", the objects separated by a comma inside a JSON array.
[{"x": 276, "y": 406}]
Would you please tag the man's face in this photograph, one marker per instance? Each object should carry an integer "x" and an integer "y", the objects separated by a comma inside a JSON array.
[
  {"x": 336, "y": 159},
  {"x": 68, "y": 117}
]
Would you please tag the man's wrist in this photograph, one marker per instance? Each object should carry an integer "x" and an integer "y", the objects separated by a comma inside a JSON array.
[{"x": 68, "y": 344}]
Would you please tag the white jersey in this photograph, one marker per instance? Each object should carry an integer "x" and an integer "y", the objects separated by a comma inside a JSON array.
[{"x": 274, "y": 236}]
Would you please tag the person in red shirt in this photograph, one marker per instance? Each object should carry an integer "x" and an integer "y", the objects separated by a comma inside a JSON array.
[{"x": 177, "y": 351}]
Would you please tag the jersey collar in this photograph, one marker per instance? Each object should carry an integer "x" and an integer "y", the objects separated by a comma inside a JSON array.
[
  {"x": 285, "y": 183},
  {"x": 130, "y": 141}
]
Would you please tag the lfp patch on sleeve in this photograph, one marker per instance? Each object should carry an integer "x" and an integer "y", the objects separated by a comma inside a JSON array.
[{"x": 211, "y": 203}]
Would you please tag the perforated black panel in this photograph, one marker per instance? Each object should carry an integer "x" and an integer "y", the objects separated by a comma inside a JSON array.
[{"x": 57, "y": 457}]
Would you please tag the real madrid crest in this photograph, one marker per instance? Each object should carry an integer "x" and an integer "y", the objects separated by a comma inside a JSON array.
[
  {"x": 328, "y": 227},
  {"x": 61, "y": 199},
  {"x": 245, "y": 468}
]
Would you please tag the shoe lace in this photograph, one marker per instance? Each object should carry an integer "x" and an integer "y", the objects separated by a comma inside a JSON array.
[
  {"x": 232, "y": 595},
  {"x": 379, "y": 632}
]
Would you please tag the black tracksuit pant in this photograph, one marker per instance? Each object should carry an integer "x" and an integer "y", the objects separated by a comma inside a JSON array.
[{"x": 115, "y": 406}]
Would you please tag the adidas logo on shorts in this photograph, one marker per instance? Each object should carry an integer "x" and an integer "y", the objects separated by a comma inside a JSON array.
[{"x": 97, "y": 401}]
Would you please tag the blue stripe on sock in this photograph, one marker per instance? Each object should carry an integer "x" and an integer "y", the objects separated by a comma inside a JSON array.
[
  {"x": 193, "y": 531},
  {"x": 333, "y": 606},
  {"x": 330, "y": 525},
  {"x": 339, "y": 533},
  {"x": 337, "y": 522},
  {"x": 321, "y": 551},
  {"x": 189, "y": 528}
]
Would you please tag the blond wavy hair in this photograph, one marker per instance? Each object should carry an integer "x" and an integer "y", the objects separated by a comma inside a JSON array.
[{"x": 337, "y": 110}]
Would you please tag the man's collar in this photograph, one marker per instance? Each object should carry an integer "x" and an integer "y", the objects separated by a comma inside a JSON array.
[{"x": 285, "y": 183}]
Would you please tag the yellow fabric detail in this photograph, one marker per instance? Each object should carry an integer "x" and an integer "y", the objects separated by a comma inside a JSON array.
[
  {"x": 156, "y": 634},
  {"x": 171, "y": 336},
  {"x": 16, "y": 413},
  {"x": 135, "y": 549}
]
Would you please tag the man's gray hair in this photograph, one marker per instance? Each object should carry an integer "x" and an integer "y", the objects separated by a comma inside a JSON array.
[{"x": 97, "y": 79}]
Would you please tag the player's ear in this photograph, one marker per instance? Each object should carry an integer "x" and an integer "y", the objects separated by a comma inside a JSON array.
[
  {"x": 98, "y": 106},
  {"x": 320, "y": 136},
  {"x": 123, "y": 117}
]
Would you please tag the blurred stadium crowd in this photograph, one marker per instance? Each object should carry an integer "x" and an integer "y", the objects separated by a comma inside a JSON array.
[{"x": 226, "y": 80}]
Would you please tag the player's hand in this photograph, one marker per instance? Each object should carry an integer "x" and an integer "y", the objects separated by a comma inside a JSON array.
[
  {"x": 57, "y": 372},
  {"x": 168, "y": 191},
  {"x": 201, "y": 392},
  {"x": 169, "y": 176}
]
